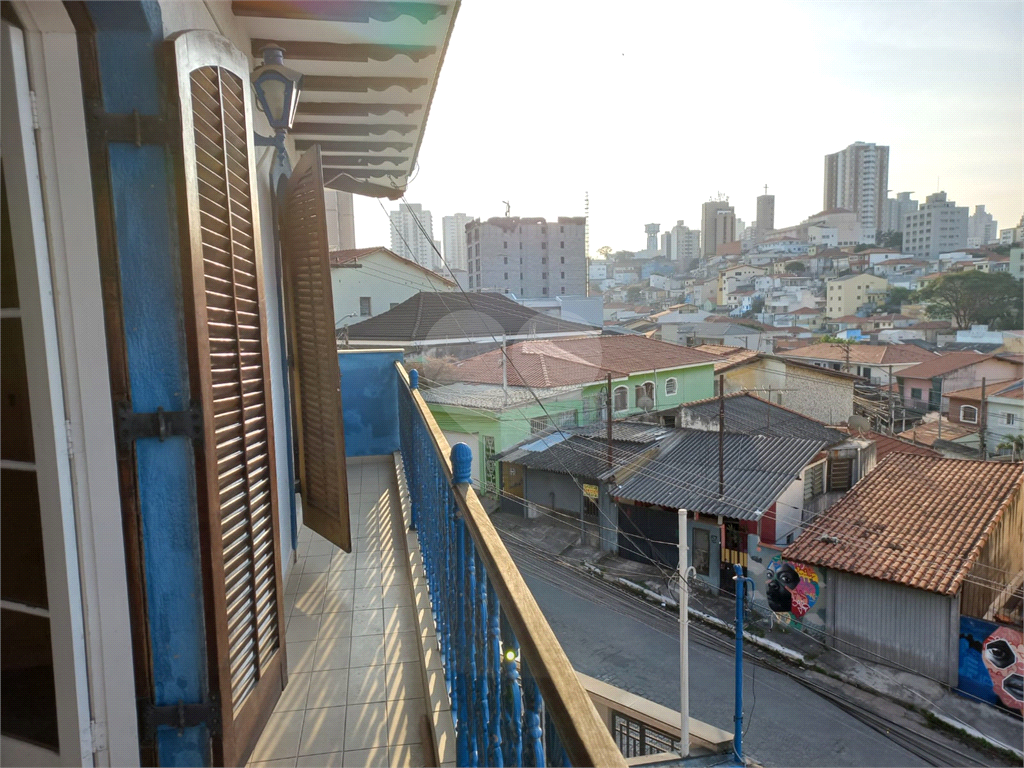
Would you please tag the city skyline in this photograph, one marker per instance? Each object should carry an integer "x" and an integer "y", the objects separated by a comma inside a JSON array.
[{"x": 899, "y": 76}]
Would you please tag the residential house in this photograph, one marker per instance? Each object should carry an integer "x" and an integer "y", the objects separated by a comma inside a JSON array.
[
  {"x": 733, "y": 279},
  {"x": 458, "y": 324},
  {"x": 819, "y": 393},
  {"x": 729, "y": 334},
  {"x": 1000, "y": 409},
  {"x": 647, "y": 376},
  {"x": 369, "y": 281},
  {"x": 807, "y": 317},
  {"x": 931, "y": 329},
  {"x": 764, "y": 492},
  {"x": 907, "y": 541},
  {"x": 845, "y": 459},
  {"x": 852, "y": 293},
  {"x": 167, "y": 556},
  {"x": 954, "y": 441},
  {"x": 926, "y": 387},
  {"x": 872, "y": 361},
  {"x": 886, "y": 444},
  {"x": 564, "y": 474}
]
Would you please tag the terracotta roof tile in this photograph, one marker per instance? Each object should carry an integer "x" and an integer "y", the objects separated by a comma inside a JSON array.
[
  {"x": 927, "y": 433},
  {"x": 558, "y": 362},
  {"x": 884, "y": 445},
  {"x": 876, "y": 354},
  {"x": 939, "y": 366},
  {"x": 919, "y": 521},
  {"x": 992, "y": 389}
]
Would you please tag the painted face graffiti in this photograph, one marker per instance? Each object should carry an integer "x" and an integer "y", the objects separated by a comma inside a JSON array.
[
  {"x": 1003, "y": 654},
  {"x": 790, "y": 587}
]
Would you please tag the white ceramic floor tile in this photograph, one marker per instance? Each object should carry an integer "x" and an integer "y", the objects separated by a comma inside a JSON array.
[{"x": 323, "y": 731}]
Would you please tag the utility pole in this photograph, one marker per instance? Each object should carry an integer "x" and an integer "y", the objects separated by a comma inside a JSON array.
[
  {"x": 685, "y": 572},
  {"x": 609, "y": 411},
  {"x": 768, "y": 419},
  {"x": 737, "y": 742},
  {"x": 504, "y": 367},
  {"x": 721, "y": 435},
  {"x": 845, "y": 346},
  {"x": 981, "y": 421},
  {"x": 892, "y": 404}
]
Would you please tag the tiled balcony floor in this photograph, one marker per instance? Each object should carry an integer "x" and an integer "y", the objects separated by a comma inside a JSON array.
[{"x": 355, "y": 693}]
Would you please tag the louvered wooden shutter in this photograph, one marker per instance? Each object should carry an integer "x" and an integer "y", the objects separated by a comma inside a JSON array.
[
  {"x": 226, "y": 328},
  {"x": 317, "y": 379}
]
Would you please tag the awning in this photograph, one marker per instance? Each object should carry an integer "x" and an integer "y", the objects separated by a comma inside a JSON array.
[{"x": 370, "y": 69}]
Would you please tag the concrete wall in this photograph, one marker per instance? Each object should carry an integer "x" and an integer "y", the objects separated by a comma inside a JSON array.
[
  {"x": 817, "y": 395},
  {"x": 385, "y": 280},
  {"x": 369, "y": 398}
]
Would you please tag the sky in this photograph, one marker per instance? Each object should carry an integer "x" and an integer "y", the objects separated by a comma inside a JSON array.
[{"x": 655, "y": 107}]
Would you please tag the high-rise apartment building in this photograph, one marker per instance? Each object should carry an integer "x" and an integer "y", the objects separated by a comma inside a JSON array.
[
  {"x": 666, "y": 244},
  {"x": 412, "y": 235},
  {"x": 857, "y": 178},
  {"x": 895, "y": 211},
  {"x": 718, "y": 226},
  {"x": 685, "y": 244},
  {"x": 453, "y": 230},
  {"x": 982, "y": 228},
  {"x": 765, "y": 215},
  {"x": 939, "y": 226},
  {"x": 529, "y": 257}
]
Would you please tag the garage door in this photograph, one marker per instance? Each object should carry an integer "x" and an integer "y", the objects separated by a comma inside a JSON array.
[{"x": 473, "y": 441}]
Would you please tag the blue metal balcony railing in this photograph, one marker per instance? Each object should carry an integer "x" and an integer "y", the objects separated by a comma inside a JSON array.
[{"x": 515, "y": 698}]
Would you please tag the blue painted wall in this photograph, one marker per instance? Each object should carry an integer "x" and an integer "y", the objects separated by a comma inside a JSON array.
[
  {"x": 128, "y": 35},
  {"x": 369, "y": 400}
]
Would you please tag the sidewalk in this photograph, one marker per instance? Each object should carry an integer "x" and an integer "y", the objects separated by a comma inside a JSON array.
[{"x": 979, "y": 720}]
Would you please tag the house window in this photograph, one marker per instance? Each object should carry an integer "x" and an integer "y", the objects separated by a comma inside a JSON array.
[
  {"x": 621, "y": 399},
  {"x": 563, "y": 289},
  {"x": 506, "y": 275},
  {"x": 563, "y": 275},
  {"x": 544, "y": 276},
  {"x": 504, "y": 244},
  {"x": 506, "y": 259},
  {"x": 968, "y": 414},
  {"x": 1010, "y": 418},
  {"x": 544, "y": 290},
  {"x": 543, "y": 259},
  {"x": 563, "y": 259},
  {"x": 543, "y": 246},
  {"x": 915, "y": 394},
  {"x": 814, "y": 481},
  {"x": 364, "y": 306},
  {"x": 470, "y": 281},
  {"x": 670, "y": 387},
  {"x": 561, "y": 244}
]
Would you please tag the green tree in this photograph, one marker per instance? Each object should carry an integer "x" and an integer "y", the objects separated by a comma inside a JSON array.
[
  {"x": 796, "y": 267},
  {"x": 975, "y": 297},
  {"x": 897, "y": 298},
  {"x": 1014, "y": 444},
  {"x": 891, "y": 239},
  {"x": 633, "y": 293}
]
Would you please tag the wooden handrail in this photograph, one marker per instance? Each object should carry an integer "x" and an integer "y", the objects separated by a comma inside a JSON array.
[{"x": 584, "y": 736}]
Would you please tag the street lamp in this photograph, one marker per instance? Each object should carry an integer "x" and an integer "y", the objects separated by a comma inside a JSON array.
[{"x": 277, "y": 90}]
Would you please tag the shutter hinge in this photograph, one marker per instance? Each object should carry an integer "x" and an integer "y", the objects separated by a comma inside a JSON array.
[
  {"x": 179, "y": 716},
  {"x": 71, "y": 439},
  {"x": 98, "y": 735},
  {"x": 35, "y": 110},
  {"x": 131, "y": 426}
]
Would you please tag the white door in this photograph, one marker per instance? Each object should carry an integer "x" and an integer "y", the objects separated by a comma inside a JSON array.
[
  {"x": 45, "y": 709},
  {"x": 473, "y": 441}
]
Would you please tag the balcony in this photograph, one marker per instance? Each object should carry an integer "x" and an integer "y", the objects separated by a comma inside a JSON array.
[{"x": 423, "y": 646}]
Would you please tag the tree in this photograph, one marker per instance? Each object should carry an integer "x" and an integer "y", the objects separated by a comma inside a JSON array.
[
  {"x": 1014, "y": 444},
  {"x": 891, "y": 239},
  {"x": 860, "y": 247},
  {"x": 975, "y": 297},
  {"x": 796, "y": 267},
  {"x": 897, "y": 298},
  {"x": 633, "y": 293}
]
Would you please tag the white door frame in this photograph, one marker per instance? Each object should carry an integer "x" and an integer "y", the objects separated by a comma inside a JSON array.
[
  {"x": 49, "y": 426},
  {"x": 52, "y": 52}
]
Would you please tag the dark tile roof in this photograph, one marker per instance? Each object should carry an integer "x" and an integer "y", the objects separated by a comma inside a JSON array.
[
  {"x": 748, "y": 414},
  {"x": 437, "y": 316},
  {"x": 919, "y": 521},
  {"x": 684, "y": 475}
]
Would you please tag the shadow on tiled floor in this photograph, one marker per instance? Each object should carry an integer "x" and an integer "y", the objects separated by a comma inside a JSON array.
[{"x": 355, "y": 692}]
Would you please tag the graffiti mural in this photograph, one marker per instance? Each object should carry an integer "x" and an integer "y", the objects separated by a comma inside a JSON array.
[
  {"x": 992, "y": 663},
  {"x": 790, "y": 587}
]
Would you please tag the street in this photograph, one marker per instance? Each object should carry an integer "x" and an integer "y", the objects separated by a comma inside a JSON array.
[{"x": 785, "y": 723}]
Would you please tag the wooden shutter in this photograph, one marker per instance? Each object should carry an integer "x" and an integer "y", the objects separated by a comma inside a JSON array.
[
  {"x": 323, "y": 479},
  {"x": 229, "y": 369}
]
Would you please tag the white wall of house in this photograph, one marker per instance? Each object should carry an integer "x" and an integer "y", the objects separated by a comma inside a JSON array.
[
  {"x": 1005, "y": 420},
  {"x": 384, "y": 279}
]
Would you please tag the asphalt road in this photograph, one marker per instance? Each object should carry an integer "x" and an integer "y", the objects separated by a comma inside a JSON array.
[{"x": 787, "y": 724}]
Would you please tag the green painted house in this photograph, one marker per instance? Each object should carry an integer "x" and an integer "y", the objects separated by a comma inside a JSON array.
[{"x": 500, "y": 400}]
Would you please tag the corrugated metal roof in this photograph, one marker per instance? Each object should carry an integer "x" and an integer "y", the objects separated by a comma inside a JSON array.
[
  {"x": 758, "y": 468},
  {"x": 582, "y": 457},
  {"x": 751, "y": 415},
  {"x": 915, "y": 520}
]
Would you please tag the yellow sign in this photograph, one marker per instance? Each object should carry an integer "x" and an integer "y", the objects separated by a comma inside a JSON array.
[{"x": 590, "y": 491}]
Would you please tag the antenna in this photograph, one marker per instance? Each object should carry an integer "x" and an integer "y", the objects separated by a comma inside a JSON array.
[
  {"x": 508, "y": 208},
  {"x": 586, "y": 238},
  {"x": 766, "y": 189}
]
